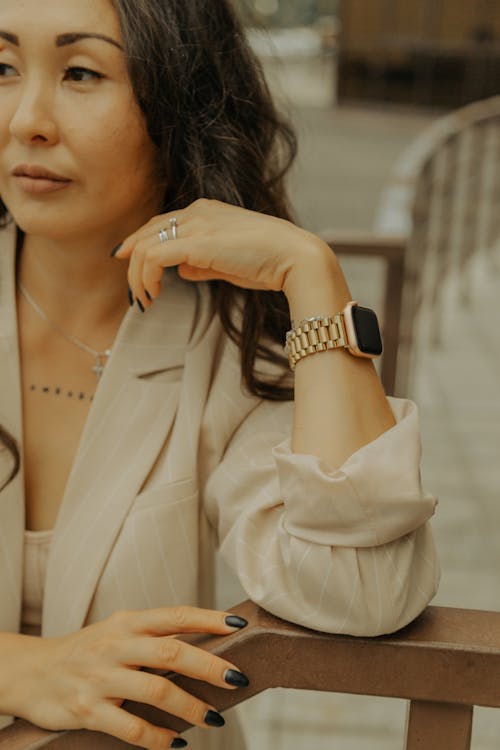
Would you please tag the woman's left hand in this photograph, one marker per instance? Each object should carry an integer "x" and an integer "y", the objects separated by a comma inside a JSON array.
[{"x": 217, "y": 240}]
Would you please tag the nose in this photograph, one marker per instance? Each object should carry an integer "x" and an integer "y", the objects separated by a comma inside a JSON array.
[{"x": 33, "y": 120}]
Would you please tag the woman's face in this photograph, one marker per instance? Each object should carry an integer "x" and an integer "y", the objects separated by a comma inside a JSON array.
[{"x": 66, "y": 105}]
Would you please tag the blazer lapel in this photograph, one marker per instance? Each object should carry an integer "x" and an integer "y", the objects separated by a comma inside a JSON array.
[
  {"x": 128, "y": 424},
  {"x": 11, "y": 498}
]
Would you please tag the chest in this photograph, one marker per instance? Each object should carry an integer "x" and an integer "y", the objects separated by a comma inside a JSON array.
[
  {"x": 52, "y": 425},
  {"x": 57, "y": 392}
]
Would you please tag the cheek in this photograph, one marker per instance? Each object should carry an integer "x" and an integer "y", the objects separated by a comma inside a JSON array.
[
  {"x": 6, "y": 114},
  {"x": 4, "y": 129},
  {"x": 113, "y": 153},
  {"x": 117, "y": 152}
]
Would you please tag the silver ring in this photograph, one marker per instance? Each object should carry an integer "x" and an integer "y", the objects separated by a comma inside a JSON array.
[
  {"x": 163, "y": 235},
  {"x": 173, "y": 224}
]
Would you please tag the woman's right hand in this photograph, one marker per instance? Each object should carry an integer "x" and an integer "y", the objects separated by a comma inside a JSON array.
[{"x": 80, "y": 680}]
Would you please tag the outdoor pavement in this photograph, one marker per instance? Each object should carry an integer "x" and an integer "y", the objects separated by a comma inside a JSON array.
[{"x": 346, "y": 154}]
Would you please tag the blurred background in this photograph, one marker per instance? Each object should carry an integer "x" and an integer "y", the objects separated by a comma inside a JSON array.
[{"x": 376, "y": 90}]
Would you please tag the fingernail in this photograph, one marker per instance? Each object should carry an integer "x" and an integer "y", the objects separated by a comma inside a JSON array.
[
  {"x": 178, "y": 742},
  {"x": 213, "y": 719},
  {"x": 115, "y": 250},
  {"x": 141, "y": 306},
  {"x": 238, "y": 679},
  {"x": 148, "y": 295},
  {"x": 235, "y": 622},
  {"x": 130, "y": 297}
]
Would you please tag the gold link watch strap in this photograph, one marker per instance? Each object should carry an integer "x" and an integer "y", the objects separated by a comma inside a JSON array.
[{"x": 315, "y": 335}]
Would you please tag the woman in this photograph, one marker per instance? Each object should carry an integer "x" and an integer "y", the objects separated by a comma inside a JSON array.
[{"x": 146, "y": 387}]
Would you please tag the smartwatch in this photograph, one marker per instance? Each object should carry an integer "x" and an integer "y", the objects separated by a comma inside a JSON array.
[{"x": 356, "y": 329}]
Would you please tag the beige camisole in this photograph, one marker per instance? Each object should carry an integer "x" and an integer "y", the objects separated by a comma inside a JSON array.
[{"x": 36, "y": 554}]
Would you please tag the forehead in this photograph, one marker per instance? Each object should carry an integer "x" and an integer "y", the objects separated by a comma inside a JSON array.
[{"x": 33, "y": 19}]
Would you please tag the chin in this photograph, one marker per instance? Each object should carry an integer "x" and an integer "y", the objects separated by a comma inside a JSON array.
[
  {"x": 51, "y": 222},
  {"x": 34, "y": 226}
]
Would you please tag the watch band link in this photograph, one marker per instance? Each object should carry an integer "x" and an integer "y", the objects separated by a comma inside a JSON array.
[{"x": 315, "y": 335}]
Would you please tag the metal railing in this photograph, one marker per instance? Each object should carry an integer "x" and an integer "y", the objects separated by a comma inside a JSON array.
[
  {"x": 391, "y": 249},
  {"x": 441, "y": 209},
  {"x": 444, "y": 663}
]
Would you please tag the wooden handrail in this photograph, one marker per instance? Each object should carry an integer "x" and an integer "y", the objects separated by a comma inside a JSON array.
[{"x": 445, "y": 662}]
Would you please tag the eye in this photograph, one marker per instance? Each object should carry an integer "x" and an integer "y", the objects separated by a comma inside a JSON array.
[
  {"x": 81, "y": 75},
  {"x": 7, "y": 71}
]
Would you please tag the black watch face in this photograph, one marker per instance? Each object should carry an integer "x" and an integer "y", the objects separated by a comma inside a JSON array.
[{"x": 367, "y": 330}]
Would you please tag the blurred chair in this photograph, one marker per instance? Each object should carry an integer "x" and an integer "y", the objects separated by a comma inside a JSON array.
[
  {"x": 441, "y": 207},
  {"x": 443, "y": 663}
]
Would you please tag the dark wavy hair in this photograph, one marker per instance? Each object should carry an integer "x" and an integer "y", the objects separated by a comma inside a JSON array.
[{"x": 219, "y": 135}]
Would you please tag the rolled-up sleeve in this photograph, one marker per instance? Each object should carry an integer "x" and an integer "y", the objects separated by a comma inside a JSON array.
[
  {"x": 374, "y": 498},
  {"x": 342, "y": 550}
]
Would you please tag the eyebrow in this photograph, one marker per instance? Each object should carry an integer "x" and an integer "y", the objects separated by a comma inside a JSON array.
[{"x": 64, "y": 39}]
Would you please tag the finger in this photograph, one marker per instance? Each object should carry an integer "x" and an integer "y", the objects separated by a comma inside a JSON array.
[
  {"x": 132, "y": 729},
  {"x": 190, "y": 273},
  {"x": 134, "y": 276},
  {"x": 145, "y": 269},
  {"x": 151, "y": 228},
  {"x": 158, "y": 256},
  {"x": 171, "y": 654},
  {"x": 147, "y": 263},
  {"x": 183, "y": 619},
  {"x": 192, "y": 250},
  {"x": 163, "y": 694},
  {"x": 135, "y": 272},
  {"x": 151, "y": 280}
]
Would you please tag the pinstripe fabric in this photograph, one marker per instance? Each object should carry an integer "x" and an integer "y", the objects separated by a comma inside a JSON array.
[{"x": 176, "y": 457}]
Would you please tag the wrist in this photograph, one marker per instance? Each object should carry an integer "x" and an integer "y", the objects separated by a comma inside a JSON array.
[{"x": 315, "y": 284}]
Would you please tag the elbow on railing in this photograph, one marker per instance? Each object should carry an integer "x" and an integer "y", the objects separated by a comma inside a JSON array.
[{"x": 378, "y": 591}]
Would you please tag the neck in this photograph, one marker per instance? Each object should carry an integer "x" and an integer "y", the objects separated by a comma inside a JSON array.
[{"x": 77, "y": 285}]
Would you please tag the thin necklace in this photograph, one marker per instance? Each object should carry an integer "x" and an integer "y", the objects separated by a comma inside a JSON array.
[{"x": 100, "y": 357}]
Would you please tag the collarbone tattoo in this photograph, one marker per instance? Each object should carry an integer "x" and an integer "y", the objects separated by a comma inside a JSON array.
[{"x": 74, "y": 395}]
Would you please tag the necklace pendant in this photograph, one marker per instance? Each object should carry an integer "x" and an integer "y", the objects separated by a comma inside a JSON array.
[{"x": 98, "y": 368}]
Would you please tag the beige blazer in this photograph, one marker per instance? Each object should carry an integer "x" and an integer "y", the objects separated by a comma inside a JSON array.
[{"x": 176, "y": 457}]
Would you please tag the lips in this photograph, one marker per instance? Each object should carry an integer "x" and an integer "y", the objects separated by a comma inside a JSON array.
[
  {"x": 36, "y": 172},
  {"x": 36, "y": 180}
]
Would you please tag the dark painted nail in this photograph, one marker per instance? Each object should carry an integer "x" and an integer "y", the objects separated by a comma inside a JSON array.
[
  {"x": 115, "y": 250},
  {"x": 141, "y": 306},
  {"x": 178, "y": 742},
  {"x": 238, "y": 679},
  {"x": 130, "y": 297},
  {"x": 148, "y": 295},
  {"x": 213, "y": 719},
  {"x": 235, "y": 622}
]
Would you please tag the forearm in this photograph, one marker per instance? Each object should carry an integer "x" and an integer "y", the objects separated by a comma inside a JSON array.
[
  {"x": 340, "y": 404},
  {"x": 17, "y": 653}
]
